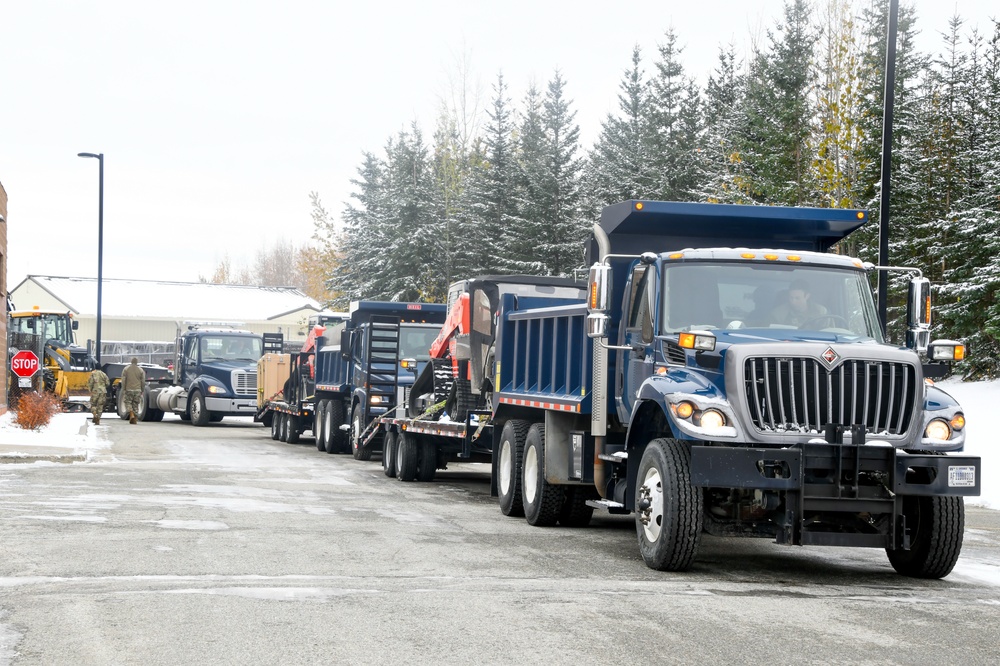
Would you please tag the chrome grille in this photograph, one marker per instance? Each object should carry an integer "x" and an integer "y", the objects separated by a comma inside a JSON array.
[
  {"x": 244, "y": 383},
  {"x": 801, "y": 395}
]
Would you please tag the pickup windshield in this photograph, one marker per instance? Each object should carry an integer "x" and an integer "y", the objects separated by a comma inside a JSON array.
[{"x": 730, "y": 295}]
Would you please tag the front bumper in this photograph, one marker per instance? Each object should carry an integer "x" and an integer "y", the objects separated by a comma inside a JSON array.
[{"x": 231, "y": 406}]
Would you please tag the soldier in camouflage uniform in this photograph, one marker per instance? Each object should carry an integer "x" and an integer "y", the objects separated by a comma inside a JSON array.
[
  {"x": 98, "y": 385},
  {"x": 133, "y": 382}
]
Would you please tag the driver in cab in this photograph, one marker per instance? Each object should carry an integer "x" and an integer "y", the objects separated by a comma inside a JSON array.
[{"x": 798, "y": 309}]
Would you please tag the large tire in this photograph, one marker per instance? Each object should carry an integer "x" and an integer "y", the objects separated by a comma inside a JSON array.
[
  {"x": 937, "y": 526},
  {"x": 215, "y": 417},
  {"x": 407, "y": 457},
  {"x": 282, "y": 427},
  {"x": 542, "y": 500},
  {"x": 668, "y": 509},
  {"x": 427, "y": 467},
  {"x": 575, "y": 512},
  {"x": 317, "y": 427},
  {"x": 293, "y": 429},
  {"x": 154, "y": 415},
  {"x": 510, "y": 453},
  {"x": 336, "y": 439},
  {"x": 275, "y": 425},
  {"x": 357, "y": 427},
  {"x": 389, "y": 454},
  {"x": 199, "y": 413}
]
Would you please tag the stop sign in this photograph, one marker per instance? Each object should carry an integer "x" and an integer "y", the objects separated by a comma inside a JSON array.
[{"x": 24, "y": 363}]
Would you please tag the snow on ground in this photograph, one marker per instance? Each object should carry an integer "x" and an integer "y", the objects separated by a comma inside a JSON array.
[{"x": 74, "y": 431}]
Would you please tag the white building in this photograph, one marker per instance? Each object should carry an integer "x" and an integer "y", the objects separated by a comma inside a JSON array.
[{"x": 150, "y": 311}]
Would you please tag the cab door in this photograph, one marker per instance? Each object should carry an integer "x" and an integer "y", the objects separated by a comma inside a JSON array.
[{"x": 637, "y": 331}]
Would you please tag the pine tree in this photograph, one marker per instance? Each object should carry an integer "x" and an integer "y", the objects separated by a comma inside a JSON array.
[{"x": 722, "y": 179}]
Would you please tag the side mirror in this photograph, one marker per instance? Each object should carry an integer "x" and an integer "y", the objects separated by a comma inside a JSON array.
[
  {"x": 76, "y": 325},
  {"x": 597, "y": 325},
  {"x": 345, "y": 343},
  {"x": 918, "y": 314},
  {"x": 598, "y": 300}
]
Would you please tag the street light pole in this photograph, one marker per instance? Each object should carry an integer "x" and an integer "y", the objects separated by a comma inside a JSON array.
[{"x": 100, "y": 245}]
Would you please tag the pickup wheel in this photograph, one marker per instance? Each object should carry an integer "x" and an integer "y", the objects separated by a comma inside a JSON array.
[
  {"x": 336, "y": 439},
  {"x": 936, "y": 530},
  {"x": 199, "y": 413},
  {"x": 668, "y": 509},
  {"x": 275, "y": 425},
  {"x": 510, "y": 455},
  {"x": 407, "y": 457},
  {"x": 318, "y": 418},
  {"x": 542, "y": 500},
  {"x": 358, "y": 427},
  {"x": 293, "y": 429},
  {"x": 389, "y": 454},
  {"x": 575, "y": 512},
  {"x": 427, "y": 466}
]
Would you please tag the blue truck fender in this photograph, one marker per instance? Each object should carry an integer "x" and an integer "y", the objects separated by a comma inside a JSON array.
[
  {"x": 201, "y": 384},
  {"x": 939, "y": 405},
  {"x": 657, "y": 401}
]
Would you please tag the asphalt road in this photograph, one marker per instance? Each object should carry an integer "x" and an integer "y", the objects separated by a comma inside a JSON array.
[{"x": 218, "y": 545}]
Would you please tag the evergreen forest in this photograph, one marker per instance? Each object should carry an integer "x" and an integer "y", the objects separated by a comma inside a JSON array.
[{"x": 796, "y": 122}]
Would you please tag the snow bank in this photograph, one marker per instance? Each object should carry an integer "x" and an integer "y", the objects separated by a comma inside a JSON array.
[{"x": 64, "y": 431}]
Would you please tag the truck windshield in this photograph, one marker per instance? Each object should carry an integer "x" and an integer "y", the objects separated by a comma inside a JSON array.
[
  {"x": 730, "y": 295},
  {"x": 231, "y": 348},
  {"x": 415, "y": 340}
]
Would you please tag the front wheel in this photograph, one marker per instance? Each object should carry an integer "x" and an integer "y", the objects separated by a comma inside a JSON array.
[
  {"x": 199, "y": 413},
  {"x": 937, "y": 526},
  {"x": 542, "y": 500},
  {"x": 668, "y": 509}
]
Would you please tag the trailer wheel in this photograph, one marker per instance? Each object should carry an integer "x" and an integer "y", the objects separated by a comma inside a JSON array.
[
  {"x": 318, "y": 433},
  {"x": 389, "y": 454},
  {"x": 668, "y": 509},
  {"x": 275, "y": 425},
  {"x": 282, "y": 427},
  {"x": 336, "y": 439},
  {"x": 936, "y": 527},
  {"x": 407, "y": 457},
  {"x": 293, "y": 429},
  {"x": 154, "y": 415},
  {"x": 510, "y": 454},
  {"x": 575, "y": 512},
  {"x": 427, "y": 467},
  {"x": 542, "y": 500},
  {"x": 199, "y": 413},
  {"x": 357, "y": 427}
]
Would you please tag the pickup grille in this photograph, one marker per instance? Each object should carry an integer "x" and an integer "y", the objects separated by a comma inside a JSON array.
[
  {"x": 801, "y": 395},
  {"x": 244, "y": 383}
]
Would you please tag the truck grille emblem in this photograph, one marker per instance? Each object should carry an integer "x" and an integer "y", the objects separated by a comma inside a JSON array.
[{"x": 830, "y": 356}]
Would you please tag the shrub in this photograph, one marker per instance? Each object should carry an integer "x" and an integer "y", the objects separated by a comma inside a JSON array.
[{"x": 35, "y": 410}]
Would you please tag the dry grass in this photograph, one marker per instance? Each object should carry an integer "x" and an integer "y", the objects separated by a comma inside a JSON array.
[{"x": 35, "y": 410}]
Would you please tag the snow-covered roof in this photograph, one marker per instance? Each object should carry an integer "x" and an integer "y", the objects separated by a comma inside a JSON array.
[{"x": 163, "y": 299}]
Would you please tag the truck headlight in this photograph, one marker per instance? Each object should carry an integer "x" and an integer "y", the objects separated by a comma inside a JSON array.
[
  {"x": 215, "y": 389},
  {"x": 712, "y": 419},
  {"x": 938, "y": 429},
  {"x": 375, "y": 399}
]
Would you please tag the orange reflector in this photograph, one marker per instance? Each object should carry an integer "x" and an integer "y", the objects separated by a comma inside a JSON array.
[
  {"x": 958, "y": 421},
  {"x": 638, "y": 205},
  {"x": 794, "y": 257},
  {"x": 748, "y": 255},
  {"x": 861, "y": 215},
  {"x": 676, "y": 255},
  {"x": 771, "y": 257},
  {"x": 661, "y": 370}
]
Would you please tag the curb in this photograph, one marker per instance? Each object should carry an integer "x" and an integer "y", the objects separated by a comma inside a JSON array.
[{"x": 53, "y": 457}]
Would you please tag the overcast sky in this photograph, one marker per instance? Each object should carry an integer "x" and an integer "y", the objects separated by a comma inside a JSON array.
[{"x": 217, "y": 118}]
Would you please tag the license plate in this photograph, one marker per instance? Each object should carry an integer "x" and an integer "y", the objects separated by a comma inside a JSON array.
[{"x": 963, "y": 476}]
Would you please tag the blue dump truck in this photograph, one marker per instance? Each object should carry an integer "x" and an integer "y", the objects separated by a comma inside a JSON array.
[
  {"x": 727, "y": 374},
  {"x": 214, "y": 375},
  {"x": 358, "y": 377}
]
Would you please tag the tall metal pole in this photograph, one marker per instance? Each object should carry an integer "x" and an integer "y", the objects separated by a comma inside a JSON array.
[
  {"x": 100, "y": 246},
  {"x": 883, "y": 218}
]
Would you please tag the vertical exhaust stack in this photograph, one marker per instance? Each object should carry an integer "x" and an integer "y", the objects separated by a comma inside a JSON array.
[{"x": 597, "y": 303}]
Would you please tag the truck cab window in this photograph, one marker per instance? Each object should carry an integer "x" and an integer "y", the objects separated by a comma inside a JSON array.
[{"x": 640, "y": 295}]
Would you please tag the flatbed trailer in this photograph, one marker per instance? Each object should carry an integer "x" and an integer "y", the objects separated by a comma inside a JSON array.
[{"x": 413, "y": 449}]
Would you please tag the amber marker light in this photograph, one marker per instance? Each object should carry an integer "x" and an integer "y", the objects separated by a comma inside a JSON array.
[
  {"x": 861, "y": 215},
  {"x": 959, "y": 352},
  {"x": 684, "y": 410},
  {"x": 794, "y": 257},
  {"x": 638, "y": 205},
  {"x": 771, "y": 257},
  {"x": 676, "y": 255},
  {"x": 748, "y": 255},
  {"x": 686, "y": 340},
  {"x": 958, "y": 421}
]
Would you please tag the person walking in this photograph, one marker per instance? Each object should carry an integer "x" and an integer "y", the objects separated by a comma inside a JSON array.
[
  {"x": 133, "y": 382},
  {"x": 97, "y": 382}
]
